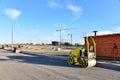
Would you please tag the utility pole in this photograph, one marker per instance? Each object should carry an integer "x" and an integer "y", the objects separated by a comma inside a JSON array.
[{"x": 70, "y": 38}]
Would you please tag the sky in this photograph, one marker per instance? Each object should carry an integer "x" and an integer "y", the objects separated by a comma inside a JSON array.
[{"x": 36, "y": 21}]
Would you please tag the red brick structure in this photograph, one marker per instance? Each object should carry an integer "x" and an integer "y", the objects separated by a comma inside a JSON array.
[{"x": 107, "y": 45}]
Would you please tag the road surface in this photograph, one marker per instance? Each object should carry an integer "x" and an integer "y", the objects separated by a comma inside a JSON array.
[{"x": 28, "y": 66}]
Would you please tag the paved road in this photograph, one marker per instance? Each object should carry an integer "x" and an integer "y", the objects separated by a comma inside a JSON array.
[{"x": 22, "y": 66}]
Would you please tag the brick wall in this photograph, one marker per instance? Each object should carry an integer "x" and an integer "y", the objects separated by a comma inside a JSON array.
[{"x": 107, "y": 45}]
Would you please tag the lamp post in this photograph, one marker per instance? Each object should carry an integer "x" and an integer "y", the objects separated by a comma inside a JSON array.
[
  {"x": 12, "y": 14},
  {"x": 12, "y": 35}
]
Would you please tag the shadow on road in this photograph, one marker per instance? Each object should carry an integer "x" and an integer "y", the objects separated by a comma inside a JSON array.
[
  {"x": 108, "y": 65},
  {"x": 42, "y": 59},
  {"x": 55, "y": 61}
]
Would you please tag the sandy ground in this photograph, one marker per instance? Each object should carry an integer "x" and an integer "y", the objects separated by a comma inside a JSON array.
[
  {"x": 32, "y": 66},
  {"x": 45, "y": 49}
]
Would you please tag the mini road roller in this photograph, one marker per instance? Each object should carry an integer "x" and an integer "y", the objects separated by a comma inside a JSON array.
[{"x": 86, "y": 57}]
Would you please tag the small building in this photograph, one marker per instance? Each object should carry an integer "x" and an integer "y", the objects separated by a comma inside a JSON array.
[
  {"x": 55, "y": 43},
  {"x": 107, "y": 45},
  {"x": 67, "y": 44}
]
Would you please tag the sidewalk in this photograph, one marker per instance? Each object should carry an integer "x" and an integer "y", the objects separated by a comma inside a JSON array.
[{"x": 107, "y": 64}]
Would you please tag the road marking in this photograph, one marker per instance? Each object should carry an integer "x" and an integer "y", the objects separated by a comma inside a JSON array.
[{"x": 3, "y": 57}]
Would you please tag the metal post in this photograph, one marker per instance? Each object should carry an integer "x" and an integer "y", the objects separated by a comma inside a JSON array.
[
  {"x": 60, "y": 37},
  {"x": 12, "y": 36},
  {"x": 71, "y": 39}
]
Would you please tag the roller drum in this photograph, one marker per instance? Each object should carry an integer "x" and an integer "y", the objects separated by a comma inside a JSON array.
[{"x": 91, "y": 62}]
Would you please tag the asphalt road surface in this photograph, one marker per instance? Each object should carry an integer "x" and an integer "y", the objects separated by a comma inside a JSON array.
[{"x": 30, "y": 66}]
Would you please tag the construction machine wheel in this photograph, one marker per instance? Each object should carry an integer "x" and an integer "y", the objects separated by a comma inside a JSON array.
[
  {"x": 88, "y": 63},
  {"x": 71, "y": 61},
  {"x": 84, "y": 63}
]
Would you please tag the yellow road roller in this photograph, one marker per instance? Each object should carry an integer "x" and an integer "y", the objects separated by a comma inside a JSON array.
[{"x": 86, "y": 57}]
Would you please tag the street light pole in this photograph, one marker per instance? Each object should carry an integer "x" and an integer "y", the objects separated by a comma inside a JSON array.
[{"x": 12, "y": 36}]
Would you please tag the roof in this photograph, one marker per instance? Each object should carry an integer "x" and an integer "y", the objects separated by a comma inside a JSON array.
[{"x": 107, "y": 35}]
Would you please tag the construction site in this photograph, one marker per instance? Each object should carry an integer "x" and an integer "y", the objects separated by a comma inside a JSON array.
[
  {"x": 100, "y": 56},
  {"x": 59, "y": 39}
]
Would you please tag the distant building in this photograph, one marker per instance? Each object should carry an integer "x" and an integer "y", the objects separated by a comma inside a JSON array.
[
  {"x": 55, "y": 43},
  {"x": 66, "y": 44}
]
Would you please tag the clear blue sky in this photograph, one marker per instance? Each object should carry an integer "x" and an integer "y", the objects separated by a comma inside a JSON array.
[{"x": 37, "y": 20}]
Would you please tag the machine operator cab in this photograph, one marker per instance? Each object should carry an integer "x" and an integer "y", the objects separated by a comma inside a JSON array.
[{"x": 91, "y": 52}]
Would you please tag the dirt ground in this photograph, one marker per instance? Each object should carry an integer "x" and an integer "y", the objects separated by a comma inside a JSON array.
[{"x": 45, "y": 49}]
